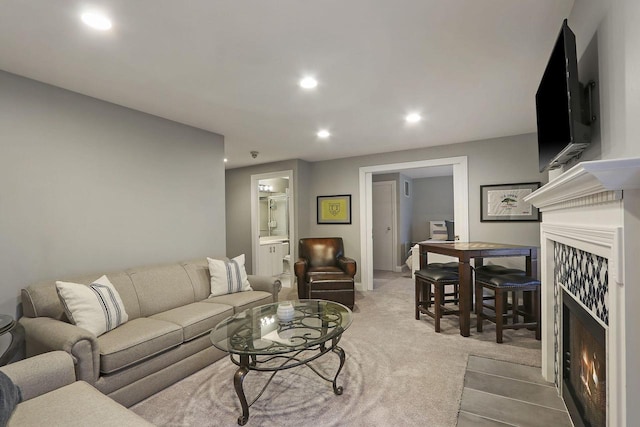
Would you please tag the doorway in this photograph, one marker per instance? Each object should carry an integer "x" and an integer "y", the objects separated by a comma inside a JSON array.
[
  {"x": 384, "y": 225},
  {"x": 461, "y": 205},
  {"x": 272, "y": 225}
]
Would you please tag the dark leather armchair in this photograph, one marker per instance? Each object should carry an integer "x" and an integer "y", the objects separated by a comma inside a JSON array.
[{"x": 322, "y": 262}]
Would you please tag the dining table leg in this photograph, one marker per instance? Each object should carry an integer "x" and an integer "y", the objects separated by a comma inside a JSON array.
[{"x": 464, "y": 302}]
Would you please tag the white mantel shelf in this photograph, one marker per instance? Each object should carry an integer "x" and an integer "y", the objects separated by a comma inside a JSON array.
[{"x": 597, "y": 181}]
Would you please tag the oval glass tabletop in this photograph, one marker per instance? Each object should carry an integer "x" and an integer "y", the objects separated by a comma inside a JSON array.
[{"x": 260, "y": 331}]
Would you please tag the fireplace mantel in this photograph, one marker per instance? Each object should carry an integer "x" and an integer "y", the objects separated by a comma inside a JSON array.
[
  {"x": 592, "y": 207},
  {"x": 588, "y": 183}
]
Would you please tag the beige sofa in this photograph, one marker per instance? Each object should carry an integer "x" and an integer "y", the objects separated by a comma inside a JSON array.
[
  {"x": 51, "y": 396},
  {"x": 166, "y": 337}
]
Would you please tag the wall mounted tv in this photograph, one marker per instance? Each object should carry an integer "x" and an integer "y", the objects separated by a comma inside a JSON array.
[{"x": 561, "y": 106}]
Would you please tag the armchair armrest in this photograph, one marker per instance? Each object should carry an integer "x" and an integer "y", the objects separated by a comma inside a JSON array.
[
  {"x": 266, "y": 284},
  {"x": 348, "y": 265},
  {"x": 44, "y": 334},
  {"x": 300, "y": 267},
  {"x": 42, "y": 373}
]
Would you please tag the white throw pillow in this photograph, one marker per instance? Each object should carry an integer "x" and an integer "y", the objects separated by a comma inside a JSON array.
[
  {"x": 97, "y": 307},
  {"x": 228, "y": 277}
]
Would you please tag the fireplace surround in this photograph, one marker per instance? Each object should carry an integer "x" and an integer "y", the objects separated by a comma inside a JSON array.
[{"x": 589, "y": 215}]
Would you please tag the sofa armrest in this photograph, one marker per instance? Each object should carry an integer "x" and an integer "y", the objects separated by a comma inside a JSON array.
[
  {"x": 42, "y": 373},
  {"x": 348, "y": 265},
  {"x": 44, "y": 334},
  {"x": 266, "y": 284}
]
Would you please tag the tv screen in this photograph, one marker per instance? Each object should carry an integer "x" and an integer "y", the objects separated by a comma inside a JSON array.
[{"x": 562, "y": 132}]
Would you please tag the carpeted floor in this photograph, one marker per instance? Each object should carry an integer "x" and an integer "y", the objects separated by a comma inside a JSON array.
[{"x": 398, "y": 371}]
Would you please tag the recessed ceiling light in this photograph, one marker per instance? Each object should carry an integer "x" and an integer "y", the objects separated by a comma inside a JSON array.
[
  {"x": 308, "y": 83},
  {"x": 413, "y": 118},
  {"x": 97, "y": 21},
  {"x": 226, "y": 160},
  {"x": 323, "y": 134}
]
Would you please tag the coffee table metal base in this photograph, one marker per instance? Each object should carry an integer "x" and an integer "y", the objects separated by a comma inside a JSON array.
[{"x": 248, "y": 363}]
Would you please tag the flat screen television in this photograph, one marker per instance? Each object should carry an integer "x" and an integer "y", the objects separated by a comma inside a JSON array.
[{"x": 563, "y": 122}]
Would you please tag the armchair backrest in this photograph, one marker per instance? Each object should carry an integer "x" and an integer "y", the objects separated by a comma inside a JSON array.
[{"x": 321, "y": 251}]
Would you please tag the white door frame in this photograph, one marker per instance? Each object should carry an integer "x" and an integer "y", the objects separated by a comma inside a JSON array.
[
  {"x": 255, "y": 214},
  {"x": 394, "y": 221},
  {"x": 460, "y": 198}
]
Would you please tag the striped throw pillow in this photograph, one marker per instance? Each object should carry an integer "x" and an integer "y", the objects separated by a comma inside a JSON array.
[
  {"x": 228, "y": 276},
  {"x": 97, "y": 307}
]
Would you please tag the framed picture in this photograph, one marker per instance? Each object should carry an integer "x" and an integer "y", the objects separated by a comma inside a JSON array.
[
  {"x": 505, "y": 202},
  {"x": 334, "y": 209}
]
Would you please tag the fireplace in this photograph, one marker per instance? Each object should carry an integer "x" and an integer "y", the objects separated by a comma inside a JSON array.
[
  {"x": 590, "y": 224},
  {"x": 584, "y": 386}
]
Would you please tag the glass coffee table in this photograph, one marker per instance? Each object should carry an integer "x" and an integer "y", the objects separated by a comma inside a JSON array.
[{"x": 270, "y": 340}]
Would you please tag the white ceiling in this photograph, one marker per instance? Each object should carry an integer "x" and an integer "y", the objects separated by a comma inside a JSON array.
[{"x": 470, "y": 67}]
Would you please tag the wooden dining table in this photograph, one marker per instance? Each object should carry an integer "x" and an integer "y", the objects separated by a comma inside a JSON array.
[{"x": 465, "y": 252}]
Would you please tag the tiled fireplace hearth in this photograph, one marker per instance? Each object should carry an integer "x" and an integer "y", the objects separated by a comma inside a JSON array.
[{"x": 590, "y": 226}]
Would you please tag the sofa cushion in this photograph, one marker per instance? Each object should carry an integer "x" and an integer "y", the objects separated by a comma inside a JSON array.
[
  {"x": 161, "y": 288},
  {"x": 243, "y": 300},
  {"x": 196, "y": 319},
  {"x": 97, "y": 307},
  {"x": 228, "y": 277},
  {"x": 135, "y": 341},
  {"x": 198, "y": 271},
  {"x": 75, "y": 405}
]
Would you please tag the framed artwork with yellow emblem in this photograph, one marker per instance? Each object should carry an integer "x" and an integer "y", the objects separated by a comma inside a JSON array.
[{"x": 334, "y": 209}]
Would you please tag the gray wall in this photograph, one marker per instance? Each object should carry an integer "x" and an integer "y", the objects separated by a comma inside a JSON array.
[
  {"x": 406, "y": 218},
  {"x": 611, "y": 29},
  {"x": 493, "y": 161},
  {"x": 88, "y": 186},
  {"x": 607, "y": 37},
  {"x": 403, "y": 212},
  {"x": 432, "y": 201},
  {"x": 238, "y": 205}
]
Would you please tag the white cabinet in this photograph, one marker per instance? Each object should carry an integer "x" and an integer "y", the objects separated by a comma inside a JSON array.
[{"x": 270, "y": 259}]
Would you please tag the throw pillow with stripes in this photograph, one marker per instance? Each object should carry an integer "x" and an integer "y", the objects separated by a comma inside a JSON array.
[
  {"x": 228, "y": 276},
  {"x": 97, "y": 307}
]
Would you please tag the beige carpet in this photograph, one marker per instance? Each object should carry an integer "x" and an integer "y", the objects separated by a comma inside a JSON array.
[{"x": 398, "y": 372}]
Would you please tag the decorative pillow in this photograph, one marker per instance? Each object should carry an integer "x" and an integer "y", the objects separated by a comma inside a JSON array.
[
  {"x": 97, "y": 307},
  {"x": 228, "y": 277}
]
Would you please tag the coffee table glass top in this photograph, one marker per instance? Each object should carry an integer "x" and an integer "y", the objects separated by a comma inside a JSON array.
[{"x": 259, "y": 330}]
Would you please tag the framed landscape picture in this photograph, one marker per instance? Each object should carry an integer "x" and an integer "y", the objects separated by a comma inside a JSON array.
[
  {"x": 505, "y": 202},
  {"x": 334, "y": 209}
]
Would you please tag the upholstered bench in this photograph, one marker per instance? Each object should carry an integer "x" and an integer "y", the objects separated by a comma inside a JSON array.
[
  {"x": 502, "y": 285},
  {"x": 445, "y": 265},
  {"x": 452, "y": 295},
  {"x": 438, "y": 278},
  {"x": 495, "y": 269},
  {"x": 332, "y": 287}
]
